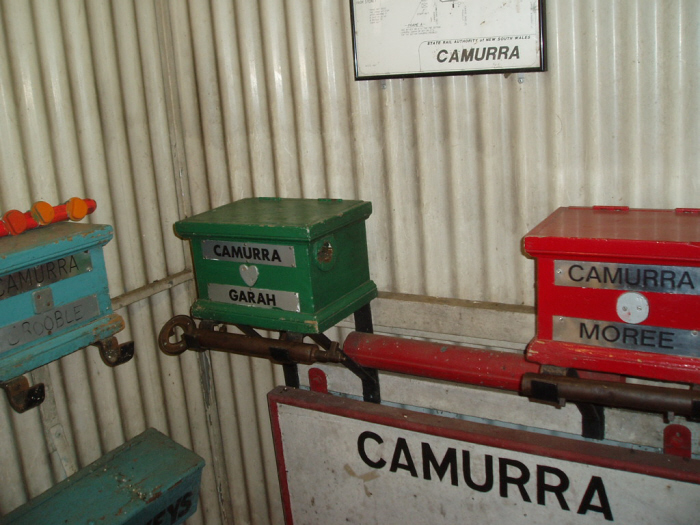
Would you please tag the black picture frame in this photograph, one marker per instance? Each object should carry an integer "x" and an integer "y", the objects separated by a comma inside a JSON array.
[{"x": 422, "y": 38}]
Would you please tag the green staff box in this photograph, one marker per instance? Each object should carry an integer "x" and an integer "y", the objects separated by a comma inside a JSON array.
[{"x": 296, "y": 265}]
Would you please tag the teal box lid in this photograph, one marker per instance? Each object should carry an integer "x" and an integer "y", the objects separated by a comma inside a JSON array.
[
  {"x": 44, "y": 244},
  {"x": 149, "y": 479},
  {"x": 275, "y": 218}
]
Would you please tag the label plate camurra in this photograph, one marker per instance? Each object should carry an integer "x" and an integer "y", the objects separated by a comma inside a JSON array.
[
  {"x": 272, "y": 254},
  {"x": 633, "y": 277},
  {"x": 50, "y": 272}
]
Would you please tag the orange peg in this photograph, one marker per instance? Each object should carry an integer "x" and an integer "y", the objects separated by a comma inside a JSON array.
[
  {"x": 15, "y": 221},
  {"x": 76, "y": 208},
  {"x": 43, "y": 213}
]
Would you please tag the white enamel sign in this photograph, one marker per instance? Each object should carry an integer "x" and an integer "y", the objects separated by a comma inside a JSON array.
[
  {"x": 344, "y": 461},
  {"x": 434, "y": 37}
]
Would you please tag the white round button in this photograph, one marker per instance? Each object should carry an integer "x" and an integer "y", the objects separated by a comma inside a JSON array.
[{"x": 632, "y": 307}]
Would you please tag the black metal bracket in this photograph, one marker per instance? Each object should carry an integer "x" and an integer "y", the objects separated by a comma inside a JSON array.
[
  {"x": 21, "y": 396},
  {"x": 695, "y": 417},
  {"x": 546, "y": 392},
  {"x": 369, "y": 376},
  {"x": 592, "y": 420},
  {"x": 592, "y": 416},
  {"x": 291, "y": 369}
]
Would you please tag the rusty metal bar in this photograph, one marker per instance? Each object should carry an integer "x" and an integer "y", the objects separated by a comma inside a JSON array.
[
  {"x": 276, "y": 350},
  {"x": 647, "y": 398},
  {"x": 465, "y": 365},
  {"x": 279, "y": 351}
]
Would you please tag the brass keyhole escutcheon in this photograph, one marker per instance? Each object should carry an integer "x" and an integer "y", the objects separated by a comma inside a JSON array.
[{"x": 325, "y": 254}]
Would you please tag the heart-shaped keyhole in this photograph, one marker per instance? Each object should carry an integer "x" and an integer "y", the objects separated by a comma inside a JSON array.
[{"x": 249, "y": 274}]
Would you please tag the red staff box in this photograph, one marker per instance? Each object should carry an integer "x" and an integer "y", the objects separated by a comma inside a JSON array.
[{"x": 618, "y": 291}]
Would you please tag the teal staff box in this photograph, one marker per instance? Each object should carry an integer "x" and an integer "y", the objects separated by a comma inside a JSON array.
[
  {"x": 149, "y": 480},
  {"x": 54, "y": 295}
]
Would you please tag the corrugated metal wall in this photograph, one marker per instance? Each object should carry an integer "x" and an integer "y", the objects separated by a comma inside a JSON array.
[{"x": 159, "y": 109}]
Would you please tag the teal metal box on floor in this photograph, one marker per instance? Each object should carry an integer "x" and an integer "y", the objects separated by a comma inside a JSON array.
[
  {"x": 54, "y": 296},
  {"x": 282, "y": 264},
  {"x": 150, "y": 480}
]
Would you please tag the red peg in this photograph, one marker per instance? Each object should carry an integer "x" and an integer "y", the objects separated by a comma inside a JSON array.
[{"x": 15, "y": 221}]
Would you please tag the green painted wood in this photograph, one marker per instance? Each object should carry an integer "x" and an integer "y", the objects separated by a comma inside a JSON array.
[
  {"x": 328, "y": 290},
  {"x": 275, "y": 218},
  {"x": 150, "y": 480}
]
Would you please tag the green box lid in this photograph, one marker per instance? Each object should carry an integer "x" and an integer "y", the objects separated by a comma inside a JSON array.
[{"x": 275, "y": 218}]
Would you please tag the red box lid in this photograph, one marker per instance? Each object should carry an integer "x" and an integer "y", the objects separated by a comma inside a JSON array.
[{"x": 605, "y": 232}]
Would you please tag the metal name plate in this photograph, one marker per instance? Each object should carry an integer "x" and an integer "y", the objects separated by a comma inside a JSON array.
[
  {"x": 669, "y": 341},
  {"x": 44, "y": 274},
  {"x": 48, "y": 323},
  {"x": 259, "y": 297},
  {"x": 634, "y": 277},
  {"x": 272, "y": 254}
]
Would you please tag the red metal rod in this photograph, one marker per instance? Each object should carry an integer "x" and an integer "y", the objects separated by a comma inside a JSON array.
[{"x": 459, "y": 364}]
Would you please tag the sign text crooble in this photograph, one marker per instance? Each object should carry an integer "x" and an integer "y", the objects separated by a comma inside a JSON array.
[
  {"x": 381, "y": 464},
  {"x": 48, "y": 323},
  {"x": 224, "y": 293}
]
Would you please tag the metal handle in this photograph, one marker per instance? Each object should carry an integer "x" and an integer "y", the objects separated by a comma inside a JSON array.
[
  {"x": 114, "y": 354},
  {"x": 21, "y": 396}
]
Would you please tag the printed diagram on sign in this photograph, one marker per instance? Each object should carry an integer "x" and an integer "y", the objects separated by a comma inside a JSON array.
[
  {"x": 427, "y": 37},
  {"x": 429, "y": 14}
]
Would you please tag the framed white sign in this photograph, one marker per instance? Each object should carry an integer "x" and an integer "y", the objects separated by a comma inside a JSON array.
[
  {"x": 347, "y": 461},
  {"x": 405, "y": 38}
]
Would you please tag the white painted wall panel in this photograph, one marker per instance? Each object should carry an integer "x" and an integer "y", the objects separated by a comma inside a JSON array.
[{"x": 159, "y": 109}]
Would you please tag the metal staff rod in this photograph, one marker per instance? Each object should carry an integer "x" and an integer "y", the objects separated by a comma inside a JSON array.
[
  {"x": 279, "y": 351},
  {"x": 458, "y": 364},
  {"x": 510, "y": 371}
]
